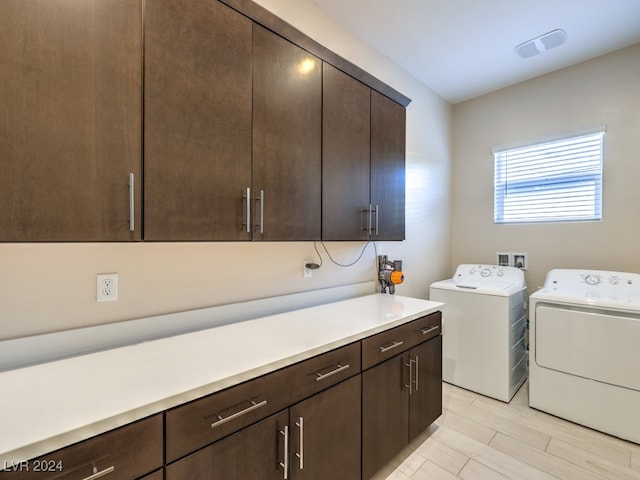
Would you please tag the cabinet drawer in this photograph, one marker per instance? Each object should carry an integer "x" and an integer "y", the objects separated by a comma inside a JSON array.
[
  {"x": 426, "y": 328},
  {"x": 199, "y": 423},
  {"x": 127, "y": 452},
  {"x": 385, "y": 345}
]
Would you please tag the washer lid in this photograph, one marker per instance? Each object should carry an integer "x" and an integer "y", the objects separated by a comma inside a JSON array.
[{"x": 595, "y": 288}]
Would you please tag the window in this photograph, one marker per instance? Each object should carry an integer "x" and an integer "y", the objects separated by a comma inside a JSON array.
[{"x": 555, "y": 181}]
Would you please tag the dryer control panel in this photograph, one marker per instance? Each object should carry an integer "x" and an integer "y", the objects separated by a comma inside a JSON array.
[
  {"x": 594, "y": 284},
  {"x": 591, "y": 278}
]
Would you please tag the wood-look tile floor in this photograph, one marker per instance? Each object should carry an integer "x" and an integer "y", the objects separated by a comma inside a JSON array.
[{"x": 478, "y": 438}]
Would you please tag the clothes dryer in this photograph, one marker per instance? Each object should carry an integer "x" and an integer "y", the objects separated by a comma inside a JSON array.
[
  {"x": 483, "y": 329},
  {"x": 585, "y": 350}
]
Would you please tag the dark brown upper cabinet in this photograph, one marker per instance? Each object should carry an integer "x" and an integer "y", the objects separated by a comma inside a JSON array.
[
  {"x": 70, "y": 120},
  {"x": 197, "y": 132},
  {"x": 345, "y": 157},
  {"x": 247, "y": 130},
  {"x": 363, "y": 162},
  {"x": 388, "y": 133},
  {"x": 232, "y": 128},
  {"x": 287, "y": 133}
]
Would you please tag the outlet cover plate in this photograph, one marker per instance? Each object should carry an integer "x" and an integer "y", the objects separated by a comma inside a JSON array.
[{"x": 107, "y": 287}]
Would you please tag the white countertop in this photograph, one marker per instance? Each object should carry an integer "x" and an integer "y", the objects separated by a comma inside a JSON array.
[{"x": 52, "y": 405}]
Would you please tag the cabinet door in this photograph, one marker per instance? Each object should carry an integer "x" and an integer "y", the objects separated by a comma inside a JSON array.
[
  {"x": 254, "y": 453},
  {"x": 426, "y": 399},
  {"x": 387, "y": 167},
  {"x": 287, "y": 133},
  {"x": 197, "y": 128},
  {"x": 345, "y": 156},
  {"x": 70, "y": 119},
  {"x": 326, "y": 434},
  {"x": 385, "y": 413}
]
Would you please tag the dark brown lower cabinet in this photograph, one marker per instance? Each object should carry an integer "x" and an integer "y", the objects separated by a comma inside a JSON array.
[
  {"x": 318, "y": 438},
  {"x": 252, "y": 453},
  {"x": 326, "y": 434},
  {"x": 385, "y": 413},
  {"x": 401, "y": 397},
  {"x": 128, "y": 452},
  {"x": 323, "y": 418},
  {"x": 426, "y": 402}
]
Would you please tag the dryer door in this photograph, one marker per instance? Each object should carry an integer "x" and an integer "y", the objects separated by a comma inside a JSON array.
[{"x": 601, "y": 346}]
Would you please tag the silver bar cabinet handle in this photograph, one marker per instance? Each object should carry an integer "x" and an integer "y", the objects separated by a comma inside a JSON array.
[
  {"x": 261, "y": 199},
  {"x": 254, "y": 406},
  {"x": 390, "y": 347},
  {"x": 300, "y": 425},
  {"x": 417, "y": 373},
  {"x": 248, "y": 209},
  {"x": 132, "y": 202},
  {"x": 99, "y": 474},
  {"x": 285, "y": 463},
  {"x": 428, "y": 330},
  {"x": 410, "y": 384},
  {"x": 377, "y": 212},
  {"x": 322, "y": 376}
]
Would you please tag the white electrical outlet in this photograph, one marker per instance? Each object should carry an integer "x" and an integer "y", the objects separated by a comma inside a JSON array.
[{"x": 107, "y": 287}]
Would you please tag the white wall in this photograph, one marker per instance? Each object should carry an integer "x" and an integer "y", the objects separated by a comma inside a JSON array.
[
  {"x": 50, "y": 287},
  {"x": 605, "y": 90}
]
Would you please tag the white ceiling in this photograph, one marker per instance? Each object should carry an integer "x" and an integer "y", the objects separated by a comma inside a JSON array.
[{"x": 465, "y": 48}]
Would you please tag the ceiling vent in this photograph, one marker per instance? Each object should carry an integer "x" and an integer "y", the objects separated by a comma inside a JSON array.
[{"x": 540, "y": 44}]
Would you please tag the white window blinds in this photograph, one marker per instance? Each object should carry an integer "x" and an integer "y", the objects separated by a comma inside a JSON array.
[{"x": 550, "y": 182}]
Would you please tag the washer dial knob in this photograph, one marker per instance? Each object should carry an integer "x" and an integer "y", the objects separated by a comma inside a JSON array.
[
  {"x": 592, "y": 279},
  {"x": 485, "y": 272},
  {"x": 614, "y": 280}
]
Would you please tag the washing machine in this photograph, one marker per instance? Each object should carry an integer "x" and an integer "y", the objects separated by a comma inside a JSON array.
[
  {"x": 585, "y": 350},
  {"x": 483, "y": 329}
]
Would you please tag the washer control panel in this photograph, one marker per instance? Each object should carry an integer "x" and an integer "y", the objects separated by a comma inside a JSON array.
[{"x": 489, "y": 274}]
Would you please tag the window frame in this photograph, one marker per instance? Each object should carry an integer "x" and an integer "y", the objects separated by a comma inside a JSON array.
[{"x": 528, "y": 182}]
